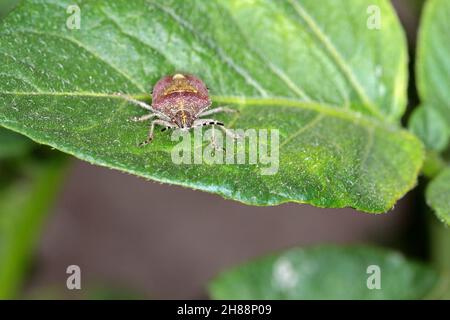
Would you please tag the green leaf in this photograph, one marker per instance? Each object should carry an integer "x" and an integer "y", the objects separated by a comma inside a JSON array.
[
  {"x": 438, "y": 196},
  {"x": 433, "y": 67},
  {"x": 13, "y": 144},
  {"x": 24, "y": 204},
  {"x": 333, "y": 87},
  {"x": 434, "y": 163},
  {"x": 433, "y": 79},
  {"x": 327, "y": 272},
  {"x": 430, "y": 127}
]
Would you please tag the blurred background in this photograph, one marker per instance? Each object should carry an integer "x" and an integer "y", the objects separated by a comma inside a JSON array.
[{"x": 134, "y": 238}]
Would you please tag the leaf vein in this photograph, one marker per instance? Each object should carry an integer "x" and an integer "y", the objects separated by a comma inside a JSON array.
[
  {"x": 307, "y": 126},
  {"x": 272, "y": 67},
  {"x": 335, "y": 55}
]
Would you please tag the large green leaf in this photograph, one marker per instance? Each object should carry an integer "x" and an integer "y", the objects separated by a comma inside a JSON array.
[
  {"x": 328, "y": 272},
  {"x": 438, "y": 196},
  {"x": 433, "y": 72},
  {"x": 433, "y": 78},
  {"x": 24, "y": 204},
  {"x": 333, "y": 87}
]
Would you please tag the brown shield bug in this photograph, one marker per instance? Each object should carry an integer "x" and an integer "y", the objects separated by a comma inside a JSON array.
[{"x": 179, "y": 101}]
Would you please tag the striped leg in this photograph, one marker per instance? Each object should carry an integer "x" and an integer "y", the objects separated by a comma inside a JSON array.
[
  {"x": 212, "y": 122},
  {"x": 159, "y": 122}
]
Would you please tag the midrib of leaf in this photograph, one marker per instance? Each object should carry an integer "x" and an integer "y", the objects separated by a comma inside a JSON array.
[
  {"x": 245, "y": 101},
  {"x": 349, "y": 115}
]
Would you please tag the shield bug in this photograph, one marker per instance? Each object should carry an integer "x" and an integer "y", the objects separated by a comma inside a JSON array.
[{"x": 179, "y": 101}]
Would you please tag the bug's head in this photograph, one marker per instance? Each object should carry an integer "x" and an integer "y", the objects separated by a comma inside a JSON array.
[{"x": 183, "y": 119}]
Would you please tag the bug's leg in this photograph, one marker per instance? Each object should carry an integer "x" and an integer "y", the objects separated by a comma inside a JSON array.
[
  {"x": 167, "y": 128},
  {"x": 209, "y": 122},
  {"x": 217, "y": 110},
  {"x": 229, "y": 133},
  {"x": 212, "y": 122},
  {"x": 144, "y": 117},
  {"x": 136, "y": 102},
  {"x": 143, "y": 105},
  {"x": 159, "y": 122},
  {"x": 214, "y": 141},
  {"x": 206, "y": 122}
]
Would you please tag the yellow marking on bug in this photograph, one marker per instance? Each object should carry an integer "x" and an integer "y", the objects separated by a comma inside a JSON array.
[
  {"x": 183, "y": 117},
  {"x": 178, "y": 76},
  {"x": 179, "y": 84},
  {"x": 180, "y": 105}
]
